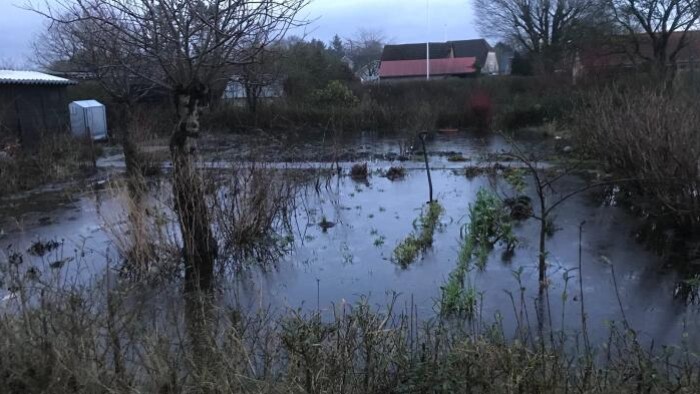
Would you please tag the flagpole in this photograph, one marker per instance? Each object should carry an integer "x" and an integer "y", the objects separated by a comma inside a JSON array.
[{"x": 427, "y": 43}]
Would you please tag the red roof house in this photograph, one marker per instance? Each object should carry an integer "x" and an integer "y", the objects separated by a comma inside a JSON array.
[
  {"x": 418, "y": 68},
  {"x": 447, "y": 59}
]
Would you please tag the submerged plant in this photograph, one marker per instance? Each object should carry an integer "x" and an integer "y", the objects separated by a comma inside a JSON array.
[
  {"x": 394, "y": 173},
  {"x": 458, "y": 298},
  {"x": 456, "y": 158},
  {"x": 407, "y": 251},
  {"x": 516, "y": 178},
  {"x": 490, "y": 223},
  {"x": 359, "y": 172},
  {"x": 325, "y": 224}
]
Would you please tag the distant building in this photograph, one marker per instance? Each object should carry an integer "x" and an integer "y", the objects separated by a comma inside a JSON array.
[
  {"x": 465, "y": 58},
  {"x": 32, "y": 103},
  {"x": 268, "y": 87},
  {"x": 624, "y": 53},
  {"x": 504, "y": 55}
]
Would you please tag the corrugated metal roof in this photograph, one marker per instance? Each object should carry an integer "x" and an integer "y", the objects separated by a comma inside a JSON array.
[
  {"x": 415, "y": 68},
  {"x": 16, "y": 77},
  {"x": 87, "y": 103}
]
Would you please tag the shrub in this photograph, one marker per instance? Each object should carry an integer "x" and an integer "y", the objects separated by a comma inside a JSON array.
[
  {"x": 58, "y": 157},
  {"x": 334, "y": 94},
  {"x": 359, "y": 172},
  {"x": 395, "y": 173},
  {"x": 651, "y": 140}
]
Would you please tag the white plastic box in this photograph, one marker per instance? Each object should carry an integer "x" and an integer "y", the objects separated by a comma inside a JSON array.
[{"x": 88, "y": 118}]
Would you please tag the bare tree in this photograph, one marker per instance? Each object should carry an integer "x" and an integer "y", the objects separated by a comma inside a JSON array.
[
  {"x": 262, "y": 77},
  {"x": 544, "y": 29},
  {"x": 82, "y": 46},
  {"x": 191, "y": 45},
  {"x": 655, "y": 23},
  {"x": 365, "y": 52}
]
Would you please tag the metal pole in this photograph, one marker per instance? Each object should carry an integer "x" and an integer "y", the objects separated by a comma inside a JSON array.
[{"x": 427, "y": 43}]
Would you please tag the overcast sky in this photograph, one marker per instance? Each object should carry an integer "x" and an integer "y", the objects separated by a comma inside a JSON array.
[{"x": 401, "y": 21}]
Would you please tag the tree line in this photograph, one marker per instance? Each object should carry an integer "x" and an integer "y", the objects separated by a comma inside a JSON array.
[{"x": 548, "y": 32}]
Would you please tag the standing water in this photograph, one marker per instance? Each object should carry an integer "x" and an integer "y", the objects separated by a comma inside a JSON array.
[{"x": 351, "y": 257}]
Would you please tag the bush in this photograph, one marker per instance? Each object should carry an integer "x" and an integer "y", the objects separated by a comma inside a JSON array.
[
  {"x": 651, "y": 140},
  {"x": 509, "y": 102},
  {"x": 334, "y": 94},
  {"x": 359, "y": 172}
]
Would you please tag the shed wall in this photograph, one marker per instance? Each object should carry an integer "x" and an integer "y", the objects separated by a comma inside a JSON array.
[{"x": 28, "y": 111}]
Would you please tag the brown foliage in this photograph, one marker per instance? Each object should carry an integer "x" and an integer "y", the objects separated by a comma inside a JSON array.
[{"x": 651, "y": 139}]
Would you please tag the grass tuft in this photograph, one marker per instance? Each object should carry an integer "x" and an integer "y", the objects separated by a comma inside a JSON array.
[{"x": 408, "y": 250}]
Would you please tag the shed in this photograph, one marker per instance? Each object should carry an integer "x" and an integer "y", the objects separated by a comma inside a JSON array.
[
  {"x": 31, "y": 104},
  {"x": 88, "y": 118}
]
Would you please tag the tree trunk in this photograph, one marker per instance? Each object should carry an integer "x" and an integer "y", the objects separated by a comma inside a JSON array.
[
  {"x": 543, "y": 254},
  {"x": 251, "y": 98},
  {"x": 200, "y": 249},
  {"x": 131, "y": 153},
  {"x": 199, "y": 320}
]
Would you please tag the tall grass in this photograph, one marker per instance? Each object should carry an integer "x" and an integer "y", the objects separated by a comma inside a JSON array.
[
  {"x": 57, "y": 157},
  {"x": 116, "y": 336},
  {"x": 251, "y": 211}
]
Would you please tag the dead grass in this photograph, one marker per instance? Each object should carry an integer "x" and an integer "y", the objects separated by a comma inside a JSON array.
[
  {"x": 57, "y": 336},
  {"x": 252, "y": 213},
  {"x": 651, "y": 139},
  {"x": 59, "y": 157}
]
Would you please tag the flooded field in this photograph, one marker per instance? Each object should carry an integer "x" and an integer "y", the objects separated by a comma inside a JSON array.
[{"x": 350, "y": 255}]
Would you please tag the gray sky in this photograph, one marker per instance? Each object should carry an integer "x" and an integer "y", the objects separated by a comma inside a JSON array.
[{"x": 401, "y": 21}]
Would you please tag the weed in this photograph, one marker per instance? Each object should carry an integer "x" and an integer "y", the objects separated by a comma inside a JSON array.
[
  {"x": 395, "y": 173},
  {"x": 325, "y": 224},
  {"x": 40, "y": 248},
  {"x": 359, "y": 172},
  {"x": 472, "y": 172},
  {"x": 407, "y": 251},
  {"x": 457, "y": 158},
  {"x": 520, "y": 207},
  {"x": 458, "y": 299},
  {"x": 489, "y": 224},
  {"x": 516, "y": 178}
]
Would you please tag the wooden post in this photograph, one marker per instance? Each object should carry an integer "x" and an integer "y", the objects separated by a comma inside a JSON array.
[{"x": 427, "y": 166}]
